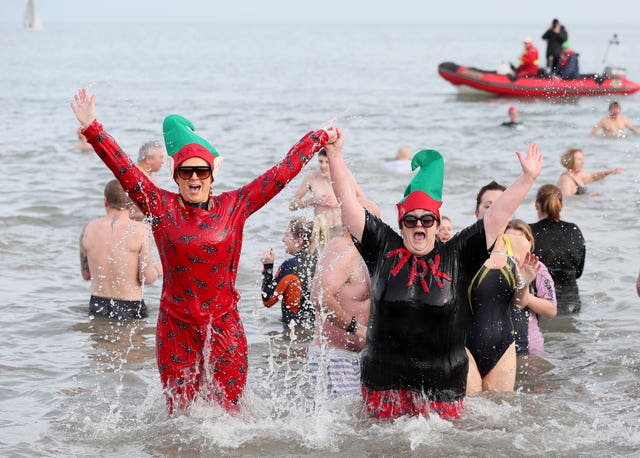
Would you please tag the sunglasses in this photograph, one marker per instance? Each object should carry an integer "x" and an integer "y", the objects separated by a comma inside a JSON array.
[
  {"x": 412, "y": 221},
  {"x": 202, "y": 172}
]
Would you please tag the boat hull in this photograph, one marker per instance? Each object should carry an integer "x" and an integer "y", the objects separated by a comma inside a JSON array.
[{"x": 504, "y": 85}]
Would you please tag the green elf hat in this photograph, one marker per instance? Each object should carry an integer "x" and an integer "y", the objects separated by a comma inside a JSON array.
[
  {"x": 183, "y": 143},
  {"x": 425, "y": 189}
]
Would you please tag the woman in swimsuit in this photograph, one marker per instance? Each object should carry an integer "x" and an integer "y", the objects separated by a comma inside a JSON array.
[
  {"x": 414, "y": 359},
  {"x": 574, "y": 180},
  {"x": 499, "y": 284}
]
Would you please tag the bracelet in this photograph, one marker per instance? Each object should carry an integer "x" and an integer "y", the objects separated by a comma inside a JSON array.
[{"x": 353, "y": 326}]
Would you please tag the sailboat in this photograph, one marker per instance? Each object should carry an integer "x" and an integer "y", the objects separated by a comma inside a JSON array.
[{"x": 31, "y": 19}]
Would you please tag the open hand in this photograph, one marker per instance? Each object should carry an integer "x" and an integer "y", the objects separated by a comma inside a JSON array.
[
  {"x": 84, "y": 106},
  {"x": 532, "y": 163}
]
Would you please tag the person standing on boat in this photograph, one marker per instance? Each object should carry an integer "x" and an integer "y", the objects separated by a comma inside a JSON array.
[
  {"x": 201, "y": 346},
  {"x": 528, "y": 60},
  {"x": 554, "y": 36}
]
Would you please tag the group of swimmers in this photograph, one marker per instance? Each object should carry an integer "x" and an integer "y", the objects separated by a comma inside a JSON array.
[{"x": 413, "y": 321}]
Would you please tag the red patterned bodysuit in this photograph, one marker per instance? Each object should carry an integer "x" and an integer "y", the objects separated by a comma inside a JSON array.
[{"x": 200, "y": 341}]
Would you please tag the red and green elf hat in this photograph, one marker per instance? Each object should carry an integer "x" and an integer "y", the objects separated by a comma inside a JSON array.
[
  {"x": 183, "y": 143},
  {"x": 425, "y": 189}
]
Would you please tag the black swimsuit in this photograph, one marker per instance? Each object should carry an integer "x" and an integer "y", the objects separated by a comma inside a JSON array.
[
  {"x": 490, "y": 329},
  {"x": 579, "y": 189}
]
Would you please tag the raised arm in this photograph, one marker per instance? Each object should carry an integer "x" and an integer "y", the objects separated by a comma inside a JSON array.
[
  {"x": 497, "y": 217},
  {"x": 353, "y": 216}
]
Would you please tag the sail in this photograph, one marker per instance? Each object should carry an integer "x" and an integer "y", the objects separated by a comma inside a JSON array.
[{"x": 31, "y": 19}]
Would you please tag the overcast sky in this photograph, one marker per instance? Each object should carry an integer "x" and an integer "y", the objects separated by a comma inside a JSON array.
[{"x": 402, "y": 11}]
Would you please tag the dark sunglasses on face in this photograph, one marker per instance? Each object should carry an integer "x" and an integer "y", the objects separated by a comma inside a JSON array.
[
  {"x": 411, "y": 220},
  {"x": 202, "y": 172}
]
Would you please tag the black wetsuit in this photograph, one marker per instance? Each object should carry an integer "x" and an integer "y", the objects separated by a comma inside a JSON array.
[
  {"x": 554, "y": 46},
  {"x": 490, "y": 328},
  {"x": 292, "y": 285},
  {"x": 417, "y": 321},
  {"x": 560, "y": 245},
  {"x": 117, "y": 308}
]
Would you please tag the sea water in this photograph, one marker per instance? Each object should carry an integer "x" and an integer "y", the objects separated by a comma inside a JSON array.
[{"x": 72, "y": 386}]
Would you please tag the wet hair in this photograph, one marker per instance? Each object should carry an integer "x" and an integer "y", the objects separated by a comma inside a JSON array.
[
  {"x": 322, "y": 152},
  {"x": 549, "y": 200},
  {"x": 301, "y": 228},
  {"x": 116, "y": 196},
  {"x": 146, "y": 149},
  {"x": 522, "y": 226},
  {"x": 320, "y": 235},
  {"x": 614, "y": 105},
  {"x": 567, "y": 158},
  {"x": 493, "y": 186}
]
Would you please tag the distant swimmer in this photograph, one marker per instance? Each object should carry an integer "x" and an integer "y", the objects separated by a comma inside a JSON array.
[
  {"x": 115, "y": 254},
  {"x": 614, "y": 123},
  {"x": 514, "y": 119},
  {"x": 402, "y": 162},
  {"x": 574, "y": 180}
]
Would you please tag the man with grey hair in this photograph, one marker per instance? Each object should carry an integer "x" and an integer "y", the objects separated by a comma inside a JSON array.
[{"x": 150, "y": 158}]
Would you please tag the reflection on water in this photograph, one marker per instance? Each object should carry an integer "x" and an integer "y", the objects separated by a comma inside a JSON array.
[{"x": 119, "y": 344}]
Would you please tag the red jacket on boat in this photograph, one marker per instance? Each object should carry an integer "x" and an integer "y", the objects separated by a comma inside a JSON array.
[{"x": 528, "y": 61}]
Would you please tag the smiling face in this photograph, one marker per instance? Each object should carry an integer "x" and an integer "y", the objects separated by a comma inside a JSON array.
[
  {"x": 444, "y": 231},
  {"x": 419, "y": 240},
  {"x": 194, "y": 189},
  {"x": 487, "y": 199}
]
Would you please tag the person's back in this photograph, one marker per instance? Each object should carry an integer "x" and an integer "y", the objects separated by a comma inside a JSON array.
[{"x": 115, "y": 256}]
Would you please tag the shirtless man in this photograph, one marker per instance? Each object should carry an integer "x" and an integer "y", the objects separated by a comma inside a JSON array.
[
  {"x": 115, "y": 256},
  {"x": 322, "y": 199},
  {"x": 150, "y": 159},
  {"x": 341, "y": 293},
  {"x": 614, "y": 123}
]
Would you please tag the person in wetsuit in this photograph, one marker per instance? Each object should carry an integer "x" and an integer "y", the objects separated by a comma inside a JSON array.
[
  {"x": 560, "y": 246},
  {"x": 414, "y": 359},
  {"x": 201, "y": 346},
  {"x": 574, "y": 180},
  {"x": 292, "y": 282}
]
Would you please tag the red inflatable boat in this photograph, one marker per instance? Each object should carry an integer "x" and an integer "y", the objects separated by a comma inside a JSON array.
[{"x": 468, "y": 79}]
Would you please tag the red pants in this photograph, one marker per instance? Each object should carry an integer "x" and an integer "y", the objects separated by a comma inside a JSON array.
[
  {"x": 396, "y": 403},
  {"x": 208, "y": 361}
]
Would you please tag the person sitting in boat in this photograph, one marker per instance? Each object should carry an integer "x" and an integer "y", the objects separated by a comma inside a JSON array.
[
  {"x": 568, "y": 67},
  {"x": 528, "y": 60}
]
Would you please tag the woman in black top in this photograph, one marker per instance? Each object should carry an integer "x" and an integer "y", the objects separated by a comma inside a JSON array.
[{"x": 560, "y": 246}]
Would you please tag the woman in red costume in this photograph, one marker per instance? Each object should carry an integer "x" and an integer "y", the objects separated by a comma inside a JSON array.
[{"x": 200, "y": 341}]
